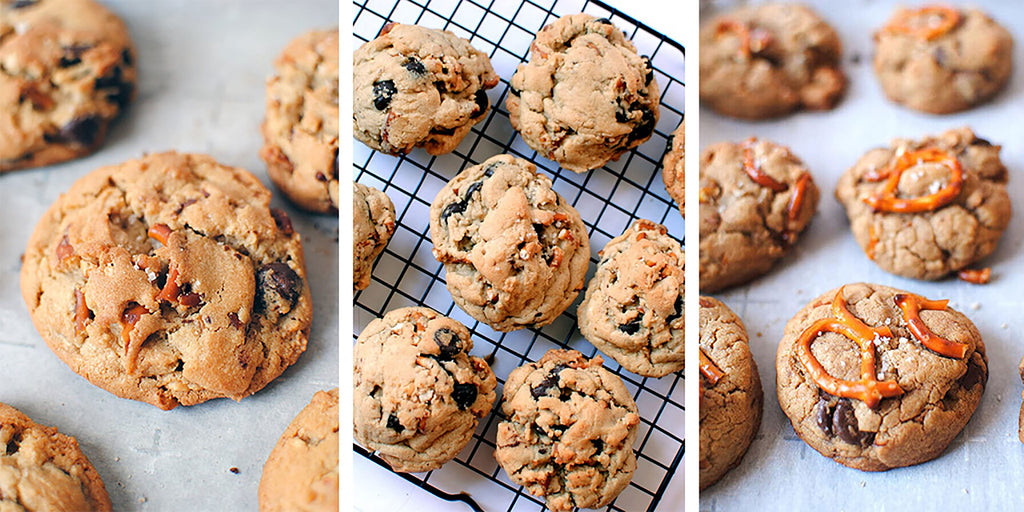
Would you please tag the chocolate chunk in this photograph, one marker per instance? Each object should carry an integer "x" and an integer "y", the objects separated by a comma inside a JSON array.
[
  {"x": 603, "y": 21},
  {"x": 394, "y": 424},
  {"x": 443, "y": 131},
  {"x": 14, "y": 444},
  {"x": 414, "y": 66},
  {"x": 277, "y": 280},
  {"x": 646, "y": 126},
  {"x": 441, "y": 87},
  {"x": 551, "y": 381},
  {"x": 235, "y": 321},
  {"x": 18, "y": 4},
  {"x": 649, "y": 68},
  {"x": 73, "y": 54},
  {"x": 632, "y": 327},
  {"x": 127, "y": 58},
  {"x": 677, "y": 308},
  {"x": 974, "y": 376},
  {"x": 621, "y": 115},
  {"x": 461, "y": 205},
  {"x": 284, "y": 223},
  {"x": 80, "y": 131},
  {"x": 823, "y": 416},
  {"x": 449, "y": 342},
  {"x": 383, "y": 90},
  {"x": 464, "y": 395},
  {"x": 482, "y": 103},
  {"x": 489, "y": 170},
  {"x": 120, "y": 91},
  {"x": 321, "y": 177},
  {"x": 844, "y": 425},
  {"x": 978, "y": 141},
  {"x": 598, "y": 445}
]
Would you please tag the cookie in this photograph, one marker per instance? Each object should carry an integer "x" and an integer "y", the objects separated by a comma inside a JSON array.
[
  {"x": 940, "y": 59},
  {"x": 672, "y": 168},
  {"x": 569, "y": 431},
  {"x": 169, "y": 280},
  {"x": 418, "y": 87},
  {"x": 756, "y": 197},
  {"x": 925, "y": 208},
  {"x": 731, "y": 399},
  {"x": 418, "y": 393},
  {"x": 769, "y": 60},
  {"x": 373, "y": 223},
  {"x": 300, "y": 132},
  {"x": 516, "y": 254},
  {"x": 877, "y": 378},
  {"x": 42, "y": 469},
  {"x": 633, "y": 308},
  {"x": 68, "y": 71},
  {"x": 585, "y": 97},
  {"x": 302, "y": 470}
]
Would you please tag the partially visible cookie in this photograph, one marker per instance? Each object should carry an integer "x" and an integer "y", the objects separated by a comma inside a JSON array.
[
  {"x": 569, "y": 431},
  {"x": 418, "y": 87},
  {"x": 1020, "y": 424},
  {"x": 68, "y": 71},
  {"x": 516, "y": 254},
  {"x": 418, "y": 394},
  {"x": 300, "y": 132},
  {"x": 673, "y": 171},
  {"x": 44, "y": 470},
  {"x": 373, "y": 223},
  {"x": 302, "y": 470},
  {"x": 633, "y": 309},
  {"x": 585, "y": 97}
]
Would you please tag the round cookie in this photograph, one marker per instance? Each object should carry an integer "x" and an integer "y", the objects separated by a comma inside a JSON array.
[
  {"x": 418, "y": 393},
  {"x": 68, "y": 71},
  {"x": 911, "y": 402},
  {"x": 418, "y": 87},
  {"x": 300, "y": 132},
  {"x": 516, "y": 254},
  {"x": 302, "y": 470},
  {"x": 768, "y": 60},
  {"x": 731, "y": 399},
  {"x": 633, "y": 309},
  {"x": 585, "y": 97},
  {"x": 756, "y": 197},
  {"x": 373, "y": 223},
  {"x": 169, "y": 280},
  {"x": 940, "y": 59},
  {"x": 930, "y": 223},
  {"x": 569, "y": 431},
  {"x": 673, "y": 171}
]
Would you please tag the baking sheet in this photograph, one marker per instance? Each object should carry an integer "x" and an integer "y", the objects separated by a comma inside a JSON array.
[
  {"x": 202, "y": 67},
  {"x": 982, "y": 468}
]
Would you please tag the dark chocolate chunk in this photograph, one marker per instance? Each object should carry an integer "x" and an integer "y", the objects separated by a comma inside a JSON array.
[
  {"x": 443, "y": 131},
  {"x": 645, "y": 128},
  {"x": 127, "y": 58},
  {"x": 632, "y": 327},
  {"x": 489, "y": 170},
  {"x": 284, "y": 223},
  {"x": 482, "y": 103},
  {"x": 974, "y": 376},
  {"x": 394, "y": 424},
  {"x": 275, "y": 280},
  {"x": 73, "y": 54},
  {"x": 464, "y": 395},
  {"x": 823, "y": 416},
  {"x": 18, "y": 4},
  {"x": 844, "y": 425},
  {"x": 551, "y": 381},
  {"x": 14, "y": 443},
  {"x": 621, "y": 116},
  {"x": 321, "y": 177},
  {"x": 978, "y": 141},
  {"x": 461, "y": 205},
  {"x": 649, "y": 68},
  {"x": 414, "y": 66},
  {"x": 383, "y": 90},
  {"x": 80, "y": 131},
  {"x": 449, "y": 342},
  {"x": 598, "y": 445},
  {"x": 604, "y": 21},
  {"x": 677, "y": 308},
  {"x": 118, "y": 90}
]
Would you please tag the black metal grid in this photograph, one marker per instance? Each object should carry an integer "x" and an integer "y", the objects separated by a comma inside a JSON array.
[{"x": 608, "y": 199}]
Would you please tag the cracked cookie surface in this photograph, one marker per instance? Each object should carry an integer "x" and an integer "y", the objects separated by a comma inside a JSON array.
[
  {"x": 673, "y": 171},
  {"x": 569, "y": 431},
  {"x": 169, "y": 280},
  {"x": 373, "y": 223}
]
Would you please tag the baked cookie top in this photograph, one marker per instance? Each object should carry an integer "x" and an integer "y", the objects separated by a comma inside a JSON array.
[
  {"x": 515, "y": 252},
  {"x": 418, "y": 393},
  {"x": 42, "y": 469},
  {"x": 569, "y": 431},
  {"x": 373, "y": 223},
  {"x": 768, "y": 60},
  {"x": 673, "y": 171},
  {"x": 418, "y": 87},
  {"x": 585, "y": 97},
  {"x": 925, "y": 208},
  {"x": 633, "y": 309},
  {"x": 169, "y": 280}
]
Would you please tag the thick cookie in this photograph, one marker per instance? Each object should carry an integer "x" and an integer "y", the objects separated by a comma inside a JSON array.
[
  {"x": 756, "y": 197},
  {"x": 633, "y": 309},
  {"x": 44, "y": 470},
  {"x": 769, "y": 60},
  {"x": 68, "y": 71},
  {"x": 569, "y": 431},
  {"x": 300, "y": 132},
  {"x": 940, "y": 59},
  {"x": 673, "y": 171},
  {"x": 585, "y": 97},
  {"x": 418, "y": 87},
  {"x": 925, "y": 208},
  {"x": 302, "y": 470},
  {"x": 893, "y": 395},
  {"x": 418, "y": 393},
  {"x": 373, "y": 223},
  {"x": 516, "y": 254},
  {"x": 169, "y": 280},
  {"x": 731, "y": 398}
]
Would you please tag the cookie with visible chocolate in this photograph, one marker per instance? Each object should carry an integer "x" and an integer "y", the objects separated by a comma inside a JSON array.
[
  {"x": 373, "y": 223},
  {"x": 673, "y": 171},
  {"x": 68, "y": 72},
  {"x": 169, "y": 280}
]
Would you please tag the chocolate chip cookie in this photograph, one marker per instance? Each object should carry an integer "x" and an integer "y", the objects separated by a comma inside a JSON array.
[
  {"x": 925, "y": 208},
  {"x": 516, "y": 254},
  {"x": 42, "y": 469},
  {"x": 585, "y": 97},
  {"x": 569, "y": 431},
  {"x": 300, "y": 132},
  {"x": 731, "y": 399},
  {"x": 418, "y": 87},
  {"x": 302, "y": 470},
  {"x": 673, "y": 172},
  {"x": 756, "y": 197},
  {"x": 941, "y": 59},
  {"x": 373, "y": 223},
  {"x": 768, "y": 60},
  {"x": 633, "y": 309},
  {"x": 169, "y": 280},
  {"x": 878, "y": 378},
  {"x": 418, "y": 393}
]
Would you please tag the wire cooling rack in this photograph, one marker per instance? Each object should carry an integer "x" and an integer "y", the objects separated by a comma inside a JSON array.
[{"x": 608, "y": 199}]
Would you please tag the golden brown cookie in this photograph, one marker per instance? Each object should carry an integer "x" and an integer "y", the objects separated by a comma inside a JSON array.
[
  {"x": 673, "y": 171},
  {"x": 373, "y": 223}
]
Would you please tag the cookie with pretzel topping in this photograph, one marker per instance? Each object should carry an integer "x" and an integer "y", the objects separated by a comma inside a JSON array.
[
  {"x": 878, "y": 378},
  {"x": 926, "y": 208}
]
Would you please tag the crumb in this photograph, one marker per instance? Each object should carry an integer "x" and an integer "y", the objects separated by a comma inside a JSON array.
[
  {"x": 117, "y": 459},
  {"x": 1004, "y": 326},
  {"x": 234, "y": 470},
  {"x": 863, "y": 483},
  {"x": 999, "y": 398},
  {"x": 975, "y": 306},
  {"x": 760, "y": 334},
  {"x": 142, "y": 499},
  {"x": 966, "y": 491}
]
